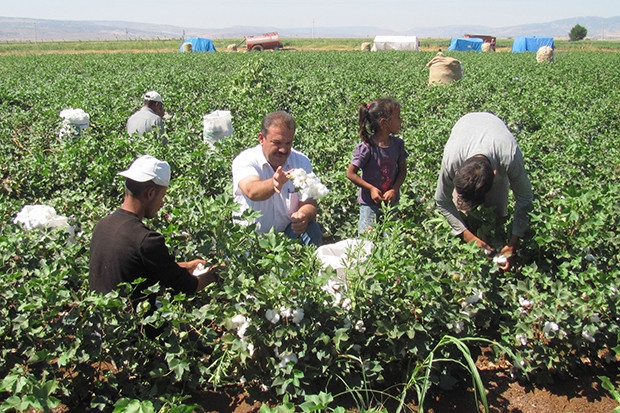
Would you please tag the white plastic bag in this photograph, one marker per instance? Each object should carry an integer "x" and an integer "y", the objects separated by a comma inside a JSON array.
[
  {"x": 217, "y": 125},
  {"x": 347, "y": 253},
  {"x": 40, "y": 216},
  {"x": 73, "y": 123}
]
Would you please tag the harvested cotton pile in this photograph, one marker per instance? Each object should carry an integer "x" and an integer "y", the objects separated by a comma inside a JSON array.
[
  {"x": 73, "y": 123},
  {"x": 486, "y": 47},
  {"x": 444, "y": 70},
  {"x": 544, "y": 54},
  {"x": 40, "y": 216}
]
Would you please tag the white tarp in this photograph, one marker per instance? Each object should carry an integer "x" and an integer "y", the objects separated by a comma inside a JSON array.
[{"x": 410, "y": 43}]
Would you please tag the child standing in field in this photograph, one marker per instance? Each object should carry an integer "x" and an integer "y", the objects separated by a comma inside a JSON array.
[{"x": 381, "y": 156}]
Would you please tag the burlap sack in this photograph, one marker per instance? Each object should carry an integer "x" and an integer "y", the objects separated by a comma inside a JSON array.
[
  {"x": 544, "y": 54},
  {"x": 365, "y": 46},
  {"x": 486, "y": 47},
  {"x": 444, "y": 70}
]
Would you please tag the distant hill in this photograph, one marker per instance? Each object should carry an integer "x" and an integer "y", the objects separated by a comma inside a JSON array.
[{"x": 29, "y": 30}]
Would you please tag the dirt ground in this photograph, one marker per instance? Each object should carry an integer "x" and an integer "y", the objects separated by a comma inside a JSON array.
[{"x": 581, "y": 394}]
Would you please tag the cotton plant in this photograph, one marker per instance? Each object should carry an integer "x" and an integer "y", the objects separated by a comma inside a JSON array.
[
  {"x": 73, "y": 123},
  {"x": 241, "y": 324},
  {"x": 295, "y": 315},
  {"x": 549, "y": 328},
  {"x": 285, "y": 358},
  {"x": 308, "y": 184},
  {"x": 336, "y": 289},
  {"x": 525, "y": 305}
]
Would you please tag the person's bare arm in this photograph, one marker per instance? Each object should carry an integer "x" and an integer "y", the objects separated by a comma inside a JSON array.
[
  {"x": 375, "y": 193},
  {"x": 258, "y": 190}
]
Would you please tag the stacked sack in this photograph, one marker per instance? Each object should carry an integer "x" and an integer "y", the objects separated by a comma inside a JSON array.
[
  {"x": 444, "y": 70},
  {"x": 544, "y": 54}
]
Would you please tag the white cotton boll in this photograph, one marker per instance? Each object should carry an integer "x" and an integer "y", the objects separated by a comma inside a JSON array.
[
  {"x": 525, "y": 303},
  {"x": 522, "y": 338},
  {"x": 346, "y": 304},
  {"x": 549, "y": 327},
  {"x": 586, "y": 334},
  {"x": 500, "y": 259},
  {"x": 359, "y": 326},
  {"x": 458, "y": 327},
  {"x": 286, "y": 312},
  {"x": 285, "y": 359},
  {"x": 298, "y": 315},
  {"x": 251, "y": 349},
  {"x": 308, "y": 185},
  {"x": 273, "y": 316},
  {"x": 241, "y": 323},
  {"x": 595, "y": 319},
  {"x": 473, "y": 299}
]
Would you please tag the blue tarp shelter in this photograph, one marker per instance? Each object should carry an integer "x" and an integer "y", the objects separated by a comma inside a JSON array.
[
  {"x": 199, "y": 44},
  {"x": 531, "y": 44},
  {"x": 466, "y": 44}
]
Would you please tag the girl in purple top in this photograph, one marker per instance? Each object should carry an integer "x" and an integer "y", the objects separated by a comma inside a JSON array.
[{"x": 382, "y": 158}]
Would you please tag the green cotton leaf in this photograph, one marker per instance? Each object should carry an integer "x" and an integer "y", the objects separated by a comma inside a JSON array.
[
  {"x": 184, "y": 409},
  {"x": 133, "y": 406},
  {"x": 13, "y": 383},
  {"x": 341, "y": 335},
  {"x": 179, "y": 367}
]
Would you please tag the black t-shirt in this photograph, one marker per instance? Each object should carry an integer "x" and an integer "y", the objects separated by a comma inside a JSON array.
[{"x": 123, "y": 249}]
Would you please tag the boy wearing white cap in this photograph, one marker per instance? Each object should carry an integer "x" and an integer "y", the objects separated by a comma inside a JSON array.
[
  {"x": 149, "y": 117},
  {"x": 124, "y": 249}
]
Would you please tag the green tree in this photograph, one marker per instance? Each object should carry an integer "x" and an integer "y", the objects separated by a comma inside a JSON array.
[{"x": 578, "y": 32}]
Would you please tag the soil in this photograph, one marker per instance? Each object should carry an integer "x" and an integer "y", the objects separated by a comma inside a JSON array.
[{"x": 576, "y": 394}]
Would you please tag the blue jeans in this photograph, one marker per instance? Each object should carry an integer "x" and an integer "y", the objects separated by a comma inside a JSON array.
[
  {"x": 312, "y": 236},
  {"x": 368, "y": 216}
]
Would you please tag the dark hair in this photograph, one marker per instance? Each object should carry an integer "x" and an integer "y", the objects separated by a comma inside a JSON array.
[
  {"x": 135, "y": 188},
  {"x": 279, "y": 118},
  {"x": 370, "y": 115},
  {"x": 472, "y": 181}
]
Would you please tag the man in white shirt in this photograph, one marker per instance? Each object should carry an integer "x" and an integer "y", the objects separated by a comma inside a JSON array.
[
  {"x": 260, "y": 182},
  {"x": 149, "y": 117}
]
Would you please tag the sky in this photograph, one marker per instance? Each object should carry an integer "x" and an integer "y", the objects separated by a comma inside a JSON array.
[{"x": 398, "y": 15}]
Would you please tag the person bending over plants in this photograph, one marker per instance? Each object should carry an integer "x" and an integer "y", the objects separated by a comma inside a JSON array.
[
  {"x": 481, "y": 160},
  {"x": 150, "y": 117},
  {"x": 123, "y": 249}
]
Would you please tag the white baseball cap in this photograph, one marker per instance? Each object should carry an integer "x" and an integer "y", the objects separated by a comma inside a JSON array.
[
  {"x": 147, "y": 168},
  {"x": 152, "y": 95}
]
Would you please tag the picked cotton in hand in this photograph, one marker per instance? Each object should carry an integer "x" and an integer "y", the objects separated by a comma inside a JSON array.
[
  {"x": 308, "y": 185},
  {"x": 500, "y": 259}
]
